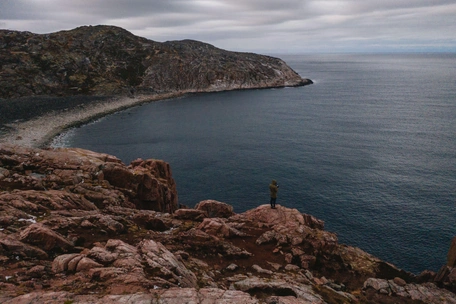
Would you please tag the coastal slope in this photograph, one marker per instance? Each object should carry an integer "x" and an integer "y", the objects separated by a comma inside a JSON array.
[{"x": 108, "y": 60}]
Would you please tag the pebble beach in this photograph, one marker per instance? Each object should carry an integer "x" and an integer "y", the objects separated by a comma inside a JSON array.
[{"x": 27, "y": 126}]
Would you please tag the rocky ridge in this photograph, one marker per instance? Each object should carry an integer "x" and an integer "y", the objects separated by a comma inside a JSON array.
[
  {"x": 81, "y": 227},
  {"x": 107, "y": 60}
]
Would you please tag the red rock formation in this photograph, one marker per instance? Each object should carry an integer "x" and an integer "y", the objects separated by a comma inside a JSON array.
[
  {"x": 71, "y": 231},
  {"x": 215, "y": 209},
  {"x": 45, "y": 238},
  {"x": 90, "y": 180}
]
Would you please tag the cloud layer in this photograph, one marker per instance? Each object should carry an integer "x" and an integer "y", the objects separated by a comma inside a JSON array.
[{"x": 265, "y": 26}]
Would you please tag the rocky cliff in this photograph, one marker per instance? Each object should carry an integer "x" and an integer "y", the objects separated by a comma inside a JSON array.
[
  {"x": 107, "y": 60},
  {"x": 81, "y": 227}
]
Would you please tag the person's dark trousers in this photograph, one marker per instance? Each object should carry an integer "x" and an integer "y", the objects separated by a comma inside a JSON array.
[{"x": 273, "y": 202}]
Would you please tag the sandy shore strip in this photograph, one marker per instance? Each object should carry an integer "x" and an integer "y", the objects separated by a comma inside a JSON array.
[{"x": 38, "y": 132}]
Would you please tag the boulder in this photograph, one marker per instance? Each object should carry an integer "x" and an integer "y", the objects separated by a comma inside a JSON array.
[
  {"x": 265, "y": 216},
  {"x": 86, "y": 264},
  {"x": 13, "y": 247},
  {"x": 108, "y": 223},
  {"x": 313, "y": 222},
  {"x": 289, "y": 226},
  {"x": 190, "y": 214},
  {"x": 196, "y": 236},
  {"x": 399, "y": 281},
  {"x": 36, "y": 271},
  {"x": 73, "y": 264},
  {"x": 377, "y": 284},
  {"x": 279, "y": 287},
  {"x": 158, "y": 257},
  {"x": 150, "y": 220},
  {"x": 102, "y": 255},
  {"x": 272, "y": 236},
  {"x": 231, "y": 251},
  {"x": 121, "y": 248},
  {"x": 60, "y": 263},
  {"x": 218, "y": 227},
  {"x": 261, "y": 270},
  {"x": 43, "y": 237},
  {"x": 215, "y": 209}
]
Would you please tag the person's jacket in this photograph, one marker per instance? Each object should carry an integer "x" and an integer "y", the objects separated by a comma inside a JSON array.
[{"x": 273, "y": 188}]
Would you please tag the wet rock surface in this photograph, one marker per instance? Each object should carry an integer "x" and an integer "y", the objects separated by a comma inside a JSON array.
[{"x": 81, "y": 227}]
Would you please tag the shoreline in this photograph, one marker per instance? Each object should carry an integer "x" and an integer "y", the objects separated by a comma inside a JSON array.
[{"x": 38, "y": 132}]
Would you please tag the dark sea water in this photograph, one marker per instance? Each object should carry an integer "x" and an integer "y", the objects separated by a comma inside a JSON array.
[{"x": 370, "y": 148}]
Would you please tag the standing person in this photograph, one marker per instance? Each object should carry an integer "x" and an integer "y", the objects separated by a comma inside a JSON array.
[{"x": 273, "y": 187}]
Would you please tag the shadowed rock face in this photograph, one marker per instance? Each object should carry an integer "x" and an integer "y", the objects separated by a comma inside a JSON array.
[
  {"x": 75, "y": 227},
  {"x": 107, "y": 60}
]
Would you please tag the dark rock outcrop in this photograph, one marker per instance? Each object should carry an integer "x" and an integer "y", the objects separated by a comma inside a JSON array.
[
  {"x": 107, "y": 60},
  {"x": 451, "y": 258},
  {"x": 446, "y": 277},
  {"x": 75, "y": 228}
]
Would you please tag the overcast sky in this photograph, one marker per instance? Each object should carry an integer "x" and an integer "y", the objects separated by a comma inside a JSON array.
[{"x": 261, "y": 26}]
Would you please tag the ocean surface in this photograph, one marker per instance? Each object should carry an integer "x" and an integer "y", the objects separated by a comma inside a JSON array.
[{"x": 370, "y": 148}]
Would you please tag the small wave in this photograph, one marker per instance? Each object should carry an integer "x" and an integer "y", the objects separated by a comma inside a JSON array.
[{"x": 63, "y": 139}]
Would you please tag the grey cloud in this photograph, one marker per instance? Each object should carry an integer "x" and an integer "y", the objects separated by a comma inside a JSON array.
[
  {"x": 254, "y": 25},
  {"x": 126, "y": 9}
]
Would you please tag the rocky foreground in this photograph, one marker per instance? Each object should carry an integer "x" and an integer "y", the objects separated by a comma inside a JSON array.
[{"x": 81, "y": 227}]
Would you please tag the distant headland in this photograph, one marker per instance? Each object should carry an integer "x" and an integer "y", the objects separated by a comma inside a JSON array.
[{"x": 76, "y": 75}]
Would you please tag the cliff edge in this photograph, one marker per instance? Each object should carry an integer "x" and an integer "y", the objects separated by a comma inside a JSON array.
[{"x": 81, "y": 227}]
